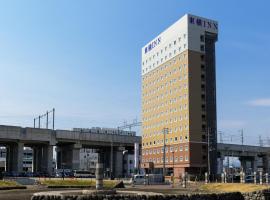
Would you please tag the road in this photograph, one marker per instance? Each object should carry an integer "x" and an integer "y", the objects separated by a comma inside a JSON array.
[{"x": 23, "y": 194}]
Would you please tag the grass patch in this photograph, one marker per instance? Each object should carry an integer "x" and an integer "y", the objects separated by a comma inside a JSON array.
[
  {"x": 77, "y": 183},
  {"x": 232, "y": 187},
  {"x": 8, "y": 184}
]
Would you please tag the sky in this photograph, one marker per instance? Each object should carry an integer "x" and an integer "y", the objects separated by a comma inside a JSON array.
[{"x": 83, "y": 59}]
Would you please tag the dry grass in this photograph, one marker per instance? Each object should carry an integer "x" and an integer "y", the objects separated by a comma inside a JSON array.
[
  {"x": 232, "y": 187},
  {"x": 8, "y": 184},
  {"x": 74, "y": 182}
]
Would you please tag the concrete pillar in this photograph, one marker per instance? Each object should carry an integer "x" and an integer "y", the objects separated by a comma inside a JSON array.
[
  {"x": 43, "y": 159},
  {"x": 118, "y": 166},
  {"x": 254, "y": 163},
  {"x": 266, "y": 160},
  {"x": 220, "y": 164},
  {"x": 261, "y": 178},
  {"x": 206, "y": 178},
  {"x": 99, "y": 176},
  {"x": 37, "y": 159},
  {"x": 243, "y": 164},
  {"x": 58, "y": 157},
  {"x": 241, "y": 177},
  {"x": 222, "y": 178},
  {"x": 15, "y": 157},
  {"x": 136, "y": 156},
  {"x": 48, "y": 159},
  {"x": 76, "y": 156},
  {"x": 68, "y": 156},
  {"x": 255, "y": 177}
]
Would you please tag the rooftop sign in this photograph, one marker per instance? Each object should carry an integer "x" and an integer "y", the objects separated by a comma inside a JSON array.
[
  {"x": 203, "y": 23},
  {"x": 152, "y": 45}
]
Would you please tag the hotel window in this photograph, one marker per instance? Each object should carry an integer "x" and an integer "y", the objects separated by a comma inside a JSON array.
[
  {"x": 176, "y": 159},
  {"x": 175, "y": 149},
  {"x": 202, "y": 47},
  {"x": 202, "y": 57},
  {"x": 171, "y": 149},
  {"x": 202, "y": 38},
  {"x": 186, "y": 148},
  {"x": 181, "y": 158},
  {"x": 181, "y": 148},
  {"x": 186, "y": 158},
  {"x": 171, "y": 159}
]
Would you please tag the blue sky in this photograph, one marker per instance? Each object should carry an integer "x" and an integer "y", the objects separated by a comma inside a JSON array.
[{"x": 83, "y": 58}]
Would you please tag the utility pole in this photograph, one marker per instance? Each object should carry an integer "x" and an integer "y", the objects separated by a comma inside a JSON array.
[
  {"x": 165, "y": 131},
  {"x": 242, "y": 139},
  {"x": 53, "y": 116},
  {"x": 47, "y": 120}
]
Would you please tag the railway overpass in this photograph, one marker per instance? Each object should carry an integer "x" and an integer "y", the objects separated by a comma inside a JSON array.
[
  {"x": 255, "y": 156},
  {"x": 109, "y": 142}
]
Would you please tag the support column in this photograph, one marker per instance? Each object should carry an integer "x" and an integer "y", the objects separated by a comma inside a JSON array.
[
  {"x": 15, "y": 157},
  {"x": 254, "y": 163},
  {"x": 243, "y": 164},
  {"x": 266, "y": 160},
  {"x": 47, "y": 159},
  {"x": 118, "y": 166},
  {"x": 68, "y": 156},
  {"x": 37, "y": 158},
  {"x": 76, "y": 156},
  {"x": 220, "y": 165},
  {"x": 136, "y": 157}
]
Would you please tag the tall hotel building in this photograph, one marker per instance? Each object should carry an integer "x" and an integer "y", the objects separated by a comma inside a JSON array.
[{"x": 179, "y": 98}]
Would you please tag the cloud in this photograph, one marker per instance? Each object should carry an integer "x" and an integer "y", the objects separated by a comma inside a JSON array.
[{"x": 259, "y": 102}]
